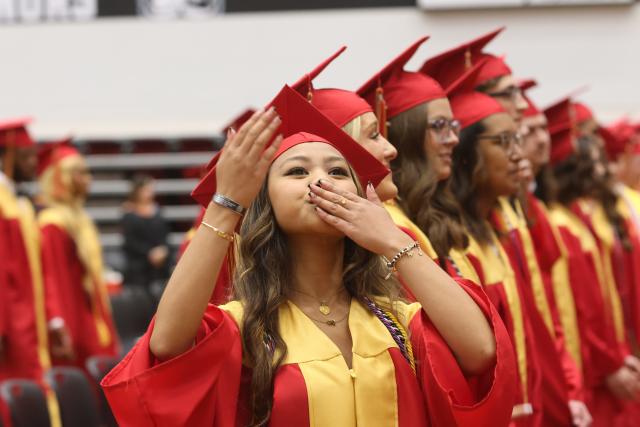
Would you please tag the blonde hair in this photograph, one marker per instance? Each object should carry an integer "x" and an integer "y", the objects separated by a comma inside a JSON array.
[
  {"x": 56, "y": 183},
  {"x": 354, "y": 127}
]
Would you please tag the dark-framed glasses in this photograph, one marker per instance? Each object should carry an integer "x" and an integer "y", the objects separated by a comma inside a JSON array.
[{"x": 444, "y": 127}]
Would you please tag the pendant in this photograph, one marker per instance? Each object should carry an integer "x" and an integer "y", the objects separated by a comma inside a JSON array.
[
  {"x": 324, "y": 308},
  {"x": 331, "y": 322}
]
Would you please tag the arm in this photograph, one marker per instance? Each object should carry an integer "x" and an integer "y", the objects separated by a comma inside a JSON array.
[
  {"x": 240, "y": 173},
  {"x": 452, "y": 311}
]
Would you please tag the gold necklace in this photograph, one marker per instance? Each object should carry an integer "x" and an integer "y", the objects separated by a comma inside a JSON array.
[
  {"x": 324, "y": 307},
  {"x": 330, "y": 322}
]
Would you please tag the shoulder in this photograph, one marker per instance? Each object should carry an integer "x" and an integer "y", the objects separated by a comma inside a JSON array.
[{"x": 52, "y": 216}]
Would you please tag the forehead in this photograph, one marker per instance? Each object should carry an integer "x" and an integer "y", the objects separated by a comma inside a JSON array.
[
  {"x": 538, "y": 119},
  {"x": 505, "y": 82},
  {"x": 500, "y": 122},
  {"x": 368, "y": 119},
  {"x": 313, "y": 150},
  {"x": 439, "y": 107}
]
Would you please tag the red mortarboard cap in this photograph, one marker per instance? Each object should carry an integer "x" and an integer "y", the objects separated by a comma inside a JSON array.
[
  {"x": 393, "y": 90},
  {"x": 51, "y": 153},
  {"x": 13, "y": 132},
  {"x": 616, "y": 137},
  {"x": 582, "y": 113},
  {"x": 561, "y": 128},
  {"x": 449, "y": 66},
  {"x": 341, "y": 106},
  {"x": 468, "y": 105},
  {"x": 532, "y": 109},
  {"x": 239, "y": 120},
  {"x": 301, "y": 122}
]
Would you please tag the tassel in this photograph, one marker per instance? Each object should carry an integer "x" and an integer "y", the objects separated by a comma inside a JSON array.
[
  {"x": 467, "y": 59},
  {"x": 381, "y": 111},
  {"x": 309, "y": 89}
]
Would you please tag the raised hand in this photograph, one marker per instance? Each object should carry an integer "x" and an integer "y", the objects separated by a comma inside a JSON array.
[
  {"x": 365, "y": 221},
  {"x": 244, "y": 162}
]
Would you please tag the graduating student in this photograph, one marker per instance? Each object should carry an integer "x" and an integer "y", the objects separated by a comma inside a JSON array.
[
  {"x": 72, "y": 256},
  {"x": 353, "y": 355},
  {"x": 605, "y": 357},
  {"x": 24, "y": 335}
]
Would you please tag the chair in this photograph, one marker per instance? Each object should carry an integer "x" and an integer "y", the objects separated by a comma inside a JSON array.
[
  {"x": 132, "y": 311},
  {"x": 98, "y": 367},
  {"x": 26, "y": 402},
  {"x": 77, "y": 401}
]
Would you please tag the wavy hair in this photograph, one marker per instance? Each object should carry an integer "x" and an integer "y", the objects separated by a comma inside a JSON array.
[
  {"x": 262, "y": 282},
  {"x": 426, "y": 200}
]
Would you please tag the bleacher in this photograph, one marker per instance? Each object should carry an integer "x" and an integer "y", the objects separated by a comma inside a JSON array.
[{"x": 174, "y": 162}]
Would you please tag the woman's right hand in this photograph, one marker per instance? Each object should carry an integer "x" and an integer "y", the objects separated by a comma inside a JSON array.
[{"x": 244, "y": 162}]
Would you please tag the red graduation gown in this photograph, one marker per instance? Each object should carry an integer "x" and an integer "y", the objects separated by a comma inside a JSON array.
[
  {"x": 74, "y": 296},
  {"x": 205, "y": 386},
  {"x": 516, "y": 240},
  {"x": 601, "y": 353}
]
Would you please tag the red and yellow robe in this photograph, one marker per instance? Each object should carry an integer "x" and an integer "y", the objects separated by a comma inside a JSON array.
[
  {"x": 557, "y": 370},
  {"x": 601, "y": 351},
  {"x": 25, "y": 335},
  {"x": 73, "y": 273},
  {"x": 207, "y": 385},
  {"x": 621, "y": 272},
  {"x": 500, "y": 282}
]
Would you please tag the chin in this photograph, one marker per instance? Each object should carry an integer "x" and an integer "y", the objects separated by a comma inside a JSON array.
[
  {"x": 387, "y": 191},
  {"x": 309, "y": 225}
]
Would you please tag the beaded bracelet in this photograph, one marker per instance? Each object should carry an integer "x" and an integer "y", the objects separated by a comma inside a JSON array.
[
  {"x": 391, "y": 265},
  {"x": 226, "y": 236}
]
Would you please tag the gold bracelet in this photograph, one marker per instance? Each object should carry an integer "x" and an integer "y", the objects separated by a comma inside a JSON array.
[{"x": 226, "y": 236}]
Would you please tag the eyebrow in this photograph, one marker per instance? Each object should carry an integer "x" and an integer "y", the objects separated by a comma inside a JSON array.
[{"x": 306, "y": 159}]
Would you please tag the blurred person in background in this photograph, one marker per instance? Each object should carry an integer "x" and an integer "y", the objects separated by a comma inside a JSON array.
[
  {"x": 24, "y": 338},
  {"x": 145, "y": 236},
  {"x": 72, "y": 258}
]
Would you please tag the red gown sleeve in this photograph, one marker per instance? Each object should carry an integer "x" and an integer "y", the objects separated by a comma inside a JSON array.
[
  {"x": 53, "y": 270},
  {"x": 197, "y": 388},
  {"x": 452, "y": 398},
  {"x": 4, "y": 256}
]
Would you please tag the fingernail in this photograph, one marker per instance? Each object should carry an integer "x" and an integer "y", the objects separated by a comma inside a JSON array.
[
  {"x": 312, "y": 195},
  {"x": 370, "y": 185},
  {"x": 319, "y": 183}
]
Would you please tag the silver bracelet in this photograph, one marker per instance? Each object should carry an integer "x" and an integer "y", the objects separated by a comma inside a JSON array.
[
  {"x": 228, "y": 203},
  {"x": 391, "y": 265}
]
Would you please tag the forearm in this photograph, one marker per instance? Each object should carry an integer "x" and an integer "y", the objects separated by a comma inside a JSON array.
[
  {"x": 188, "y": 291},
  {"x": 452, "y": 311}
]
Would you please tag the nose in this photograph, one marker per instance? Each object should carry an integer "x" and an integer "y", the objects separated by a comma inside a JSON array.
[
  {"x": 390, "y": 151},
  {"x": 521, "y": 103}
]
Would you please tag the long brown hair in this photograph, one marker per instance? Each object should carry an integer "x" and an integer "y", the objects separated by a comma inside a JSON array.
[
  {"x": 466, "y": 181},
  {"x": 427, "y": 201},
  {"x": 262, "y": 281},
  {"x": 576, "y": 178}
]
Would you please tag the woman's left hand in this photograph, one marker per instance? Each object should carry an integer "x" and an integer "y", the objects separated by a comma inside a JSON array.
[{"x": 365, "y": 221}]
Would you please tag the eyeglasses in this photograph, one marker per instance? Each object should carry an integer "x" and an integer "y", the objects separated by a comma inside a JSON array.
[
  {"x": 512, "y": 92},
  {"x": 443, "y": 128},
  {"x": 508, "y": 141}
]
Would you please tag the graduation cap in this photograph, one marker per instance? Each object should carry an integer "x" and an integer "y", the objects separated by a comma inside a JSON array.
[
  {"x": 341, "y": 106},
  {"x": 561, "y": 122},
  {"x": 617, "y": 137},
  {"x": 582, "y": 113},
  {"x": 449, "y": 66},
  {"x": 302, "y": 123},
  {"x": 468, "y": 105},
  {"x": 532, "y": 109},
  {"x": 51, "y": 153},
  {"x": 393, "y": 90},
  {"x": 13, "y": 132}
]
